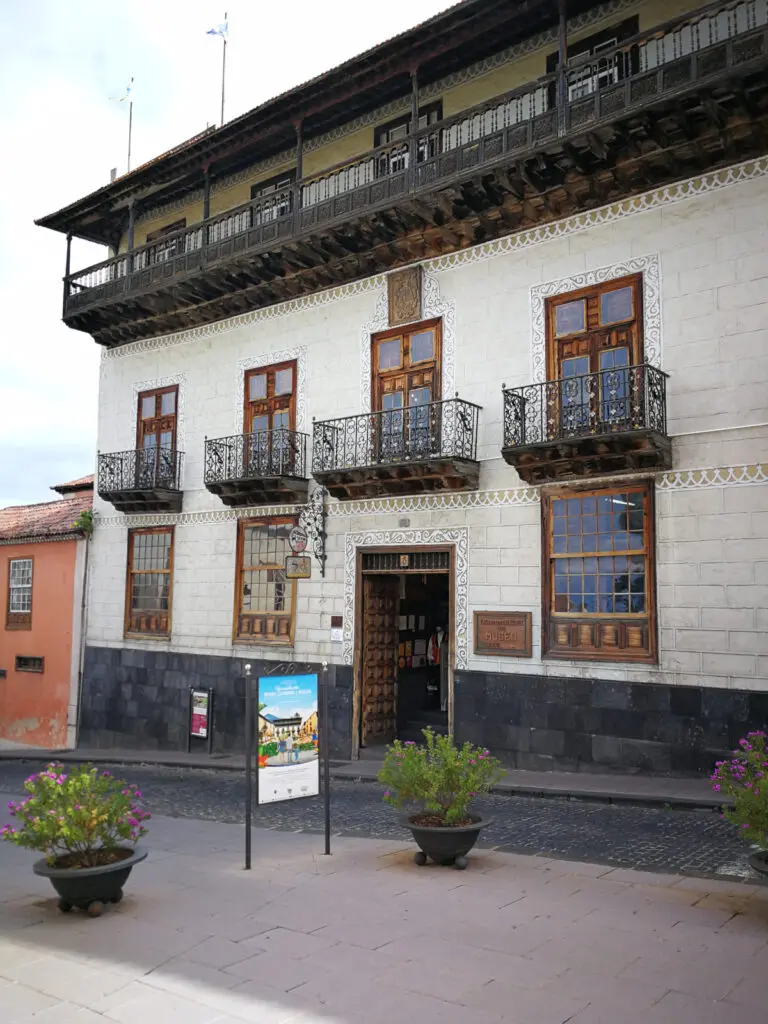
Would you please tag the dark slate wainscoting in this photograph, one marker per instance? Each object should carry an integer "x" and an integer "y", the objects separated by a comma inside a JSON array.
[
  {"x": 540, "y": 723},
  {"x": 139, "y": 699}
]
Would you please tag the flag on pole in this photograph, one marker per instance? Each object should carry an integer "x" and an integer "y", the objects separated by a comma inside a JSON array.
[
  {"x": 127, "y": 95},
  {"x": 220, "y": 30}
]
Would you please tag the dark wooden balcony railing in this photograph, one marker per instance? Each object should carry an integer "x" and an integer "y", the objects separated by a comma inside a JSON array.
[
  {"x": 696, "y": 50},
  {"x": 260, "y": 468},
  {"x": 607, "y": 418},
  {"x": 436, "y": 430},
  {"x": 141, "y": 480}
]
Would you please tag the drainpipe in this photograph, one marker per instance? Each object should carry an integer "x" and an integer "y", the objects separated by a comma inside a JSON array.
[{"x": 83, "y": 627}]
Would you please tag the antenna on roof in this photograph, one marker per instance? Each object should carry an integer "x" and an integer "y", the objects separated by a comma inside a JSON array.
[{"x": 113, "y": 174}]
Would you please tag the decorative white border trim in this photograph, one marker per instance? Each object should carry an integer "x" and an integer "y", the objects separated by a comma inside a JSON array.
[
  {"x": 151, "y": 385},
  {"x": 431, "y": 502},
  {"x": 266, "y": 359},
  {"x": 432, "y": 308},
  {"x": 677, "y": 480},
  {"x": 577, "y": 224},
  {"x": 685, "y": 479},
  {"x": 457, "y": 538},
  {"x": 648, "y": 266}
]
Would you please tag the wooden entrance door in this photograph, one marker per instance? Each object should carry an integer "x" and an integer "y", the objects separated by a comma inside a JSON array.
[
  {"x": 379, "y": 661},
  {"x": 406, "y": 381}
]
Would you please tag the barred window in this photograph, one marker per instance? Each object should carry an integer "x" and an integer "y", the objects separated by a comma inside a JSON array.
[
  {"x": 150, "y": 566},
  {"x": 19, "y": 610},
  {"x": 600, "y": 574},
  {"x": 265, "y": 600}
]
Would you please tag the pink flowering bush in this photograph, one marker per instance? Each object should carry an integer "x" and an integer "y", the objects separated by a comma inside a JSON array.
[
  {"x": 80, "y": 817},
  {"x": 438, "y": 777},
  {"x": 745, "y": 778}
]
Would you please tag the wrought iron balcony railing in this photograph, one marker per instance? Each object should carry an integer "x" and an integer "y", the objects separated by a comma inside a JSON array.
[
  {"x": 618, "y": 401},
  {"x": 141, "y": 470},
  {"x": 264, "y": 454},
  {"x": 420, "y": 433},
  {"x": 693, "y": 51}
]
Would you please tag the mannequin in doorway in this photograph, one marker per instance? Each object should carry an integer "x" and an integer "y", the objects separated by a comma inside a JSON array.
[{"x": 437, "y": 654}]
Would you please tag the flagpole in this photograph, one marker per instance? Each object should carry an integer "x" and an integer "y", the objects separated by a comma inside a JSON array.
[
  {"x": 223, "y": 68},
  {"x": 130, "y": 131}
]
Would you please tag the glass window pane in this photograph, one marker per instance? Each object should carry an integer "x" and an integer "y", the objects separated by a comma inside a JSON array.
[
  {"x": 420, "y": 396},
  {"x": 148, "y": 407},
  {"x": 616, "y": 305},
  {"x": 570, "y": 317},
  {"x": 589, "y": 506},
  {"x": 621, "y": 604},
  {"x": 574, "y": 544},
  {"x": 422, "y": 346},
  {"x": 257, "y": 387},
  {"x": 390, "y": 354},
  {"x": 281, "y": 419},
  {"x": 637, "y": 604},
  {"x": 260, "y": 423},
  {"x": 284, "y": 381},
  {"x": 168, "y": 403},
  {"x": 394, "y": 400},
  {"x": 558, "y": 524},
  {"x": 558, "y": 544},
  {"x": 561, "y": 584},
  {"x": 589, "y": 542},
  {"x": 558, "y": 507}
]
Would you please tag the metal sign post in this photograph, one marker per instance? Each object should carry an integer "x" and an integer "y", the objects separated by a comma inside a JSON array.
[
  {"x": 248, "y": 764},
  {"x": 325, "y": 737}
]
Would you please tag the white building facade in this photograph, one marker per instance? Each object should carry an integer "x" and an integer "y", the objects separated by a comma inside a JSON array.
[{"x": 701, "y": 248}]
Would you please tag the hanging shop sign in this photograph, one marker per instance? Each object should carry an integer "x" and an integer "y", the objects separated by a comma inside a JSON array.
[
  {"x": 504, "y": 634},
  {"x": 298, "y": 540},
  {"x": 298, "y": 567},
  {"x": 289, "y": 766}
]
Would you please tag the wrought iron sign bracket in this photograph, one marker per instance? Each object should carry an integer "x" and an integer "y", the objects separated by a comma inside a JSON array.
[{"x": 312, "y": 519}]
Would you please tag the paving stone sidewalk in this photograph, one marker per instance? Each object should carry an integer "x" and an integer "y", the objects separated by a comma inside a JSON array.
[{"x": 365, "y": 935}]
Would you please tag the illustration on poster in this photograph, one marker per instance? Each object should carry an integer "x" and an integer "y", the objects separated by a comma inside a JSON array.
[{"x": 288, "y": 760}]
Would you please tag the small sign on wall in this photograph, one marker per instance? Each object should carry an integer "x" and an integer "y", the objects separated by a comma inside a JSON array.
[
  {"x": 298, "y": 567},
  {"x": 503, "y": 634},
  {"x": 337, "y": 629}
]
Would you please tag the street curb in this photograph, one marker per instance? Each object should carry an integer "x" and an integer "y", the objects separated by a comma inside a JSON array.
[{"x": 225, "y": 763}]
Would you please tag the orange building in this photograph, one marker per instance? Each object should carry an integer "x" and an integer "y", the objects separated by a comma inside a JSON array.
[{"x": 43, "y": 564}]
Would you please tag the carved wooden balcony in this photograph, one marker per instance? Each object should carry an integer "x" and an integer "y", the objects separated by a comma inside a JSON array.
[
  {"x": 431, "y": 447},
  {"x": 265, "y": 468},
  {"x": 144, "y": 480},
  {"x": 595, "y": 424},
  {"x": 665, "y": 105}
]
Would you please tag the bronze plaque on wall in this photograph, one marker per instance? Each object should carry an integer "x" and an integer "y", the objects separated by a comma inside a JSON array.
[
  {"x": 506, "y": 634},
  {"x": 404, "y": 296}
]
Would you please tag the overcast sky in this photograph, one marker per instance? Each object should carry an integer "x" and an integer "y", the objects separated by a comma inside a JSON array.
[{"x": 59, "y": 65}]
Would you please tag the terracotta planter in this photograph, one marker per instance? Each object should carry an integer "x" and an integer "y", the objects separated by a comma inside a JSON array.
[
  {"x": 759, "y": 862},
  {"x": 446, "y": 844},
  {"x": 90, "y": 888}
]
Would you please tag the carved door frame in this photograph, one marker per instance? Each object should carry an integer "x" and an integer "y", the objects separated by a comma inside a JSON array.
[{"x": 359, "y": 621}]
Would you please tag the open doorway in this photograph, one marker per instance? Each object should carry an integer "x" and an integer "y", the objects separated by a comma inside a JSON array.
[{"x": 405, "y": 654}]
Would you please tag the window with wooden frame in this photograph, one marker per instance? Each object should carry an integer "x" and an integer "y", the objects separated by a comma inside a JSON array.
[
  {"x": 406, "y": 378},
  {"x": 149, "y": 582},
  {"x": 594, "y": 337},
  {"x": 277, "y": 197},
  {"x": 599, "y": 574},
  {"x": 163, "y": 250},
  {"x": 264, "y": 599},
  {"x": 18, "y": 613},
  {"x": 269, "y": 418},
  {"x": 156, "y": 421}
]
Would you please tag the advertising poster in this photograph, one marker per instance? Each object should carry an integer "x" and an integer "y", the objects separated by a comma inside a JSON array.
[
  {"x": 289, "y": 766},
  {"x": 199, "y": 724}
]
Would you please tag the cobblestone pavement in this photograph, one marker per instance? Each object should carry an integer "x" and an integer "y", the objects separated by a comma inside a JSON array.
[{"x": 688, "y": 842}]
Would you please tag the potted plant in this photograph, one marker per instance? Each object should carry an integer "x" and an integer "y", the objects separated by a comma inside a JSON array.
[
  {"x": 87, "y": 824},
  {"x": 745, "y": 779},
  {"x": 438, "y": 781}
]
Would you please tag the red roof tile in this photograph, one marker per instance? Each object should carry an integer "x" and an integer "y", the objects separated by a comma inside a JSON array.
[
  {"x": 83, "y": 483},
  {"x": 49, "y": 519}
]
